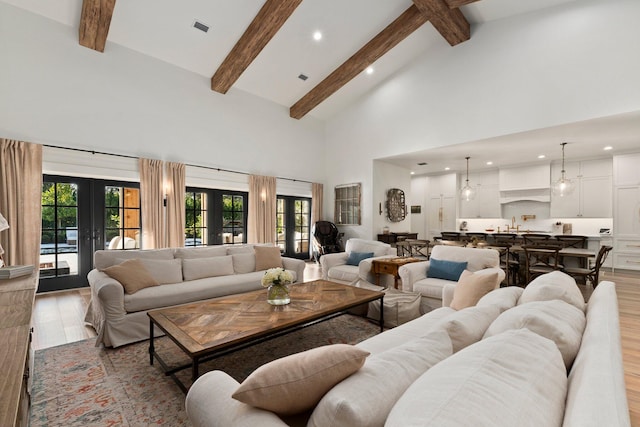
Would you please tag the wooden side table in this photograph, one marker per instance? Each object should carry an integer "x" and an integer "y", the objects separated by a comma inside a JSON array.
[{"x": 390, "y": 266}]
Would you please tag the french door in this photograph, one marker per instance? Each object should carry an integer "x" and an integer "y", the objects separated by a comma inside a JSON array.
[
  {"x": 215, "y": 217},
  {"x": 80, "y": 216},
  {"x": 293, "y": 215}
]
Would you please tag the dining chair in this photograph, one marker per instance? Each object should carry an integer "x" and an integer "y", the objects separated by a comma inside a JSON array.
[
  {"x": 403, "y": 248},
  {"x": 508, "y": 261},
  {"x": 572, "y": 241},
  {"x": 540, "y": 259},
  {"x": 418, "y": 248},
  {"x": 534, "y": 239},
  {"x": 451, "y": 235},
  {"x": 504, "y": 238},
  {"x": 590, "y": 274},
  {"x": 452, "y": 243}
]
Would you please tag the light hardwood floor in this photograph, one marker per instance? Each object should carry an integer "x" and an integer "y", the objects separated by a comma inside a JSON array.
[{"x": 59, "y": 319}]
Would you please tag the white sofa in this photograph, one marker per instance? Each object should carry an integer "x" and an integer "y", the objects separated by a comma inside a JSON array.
[
  {"x": 515, "y": 377},
  {"x": 186, "y": 275},
  {"x": 335, "y": 268},
  {"x": 414, "y": 275}
]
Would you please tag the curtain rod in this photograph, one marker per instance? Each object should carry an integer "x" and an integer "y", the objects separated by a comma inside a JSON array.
[{"x": 126, "y": 156}]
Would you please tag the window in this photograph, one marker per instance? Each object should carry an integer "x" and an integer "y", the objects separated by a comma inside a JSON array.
[
  {"x": 347, "y": 204},
  {"x": 214, "y": 217},
  {"x": 293, "y": 215},
  {"x": 59, "y": 244},
  {"x": 122, "y": 217}
]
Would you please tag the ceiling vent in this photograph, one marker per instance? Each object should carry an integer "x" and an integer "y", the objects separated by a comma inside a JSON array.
[
  {"x": 200, "y": 26},
  {"x": 422, "y": 164},
  {"x": 303, "y": 77}
]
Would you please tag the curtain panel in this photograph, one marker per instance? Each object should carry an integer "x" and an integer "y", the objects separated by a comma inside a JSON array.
[
  {"x": 261, "y": 223},
  {"x": 175, "y": 185},
  {"x": 21, "y": 201},
  {"x": 152, "y": 201},
  {"x": 317, "y": 197}
]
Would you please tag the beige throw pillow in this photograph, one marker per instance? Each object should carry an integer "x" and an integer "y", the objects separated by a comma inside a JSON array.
[
  {"x": 296, "y": 383},
  {"x": 132, "y": 275},
  {"x": 471, "y": 287},
  {"x": 165, "y": 271},
  {"x": 267, "y": 257}
]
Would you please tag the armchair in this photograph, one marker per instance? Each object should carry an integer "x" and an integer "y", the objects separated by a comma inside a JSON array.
[
  {"x": 414, "y": 275},
  {"x": 335, "y": 267}
]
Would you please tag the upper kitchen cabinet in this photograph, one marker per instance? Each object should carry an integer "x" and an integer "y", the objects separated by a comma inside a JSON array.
[
  {"x": 486, "y": 204},
  {"x": 592, "y": 197},
  {"x": 627, "y": 169},
  {"x": 524, "y": 178}
]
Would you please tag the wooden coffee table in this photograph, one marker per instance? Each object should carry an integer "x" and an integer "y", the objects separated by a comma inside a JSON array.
[
  {"x": 213, "y": 328},
  {"x": 390, "y": 266}
]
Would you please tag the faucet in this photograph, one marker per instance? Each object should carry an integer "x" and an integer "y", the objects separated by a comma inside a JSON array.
[{"x": 513, "y": 222}]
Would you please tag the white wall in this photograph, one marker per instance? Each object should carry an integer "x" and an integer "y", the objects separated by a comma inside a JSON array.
[
  {"x": 54, "y": 91},
  {"x": 385, "y": 177},
  {"x": 571, "y": 63}
]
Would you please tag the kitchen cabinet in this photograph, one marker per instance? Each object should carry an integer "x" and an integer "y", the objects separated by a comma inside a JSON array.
[
  {"x": 627, "y": 170},
  {"x": 626, "y": 226},
  {"x": 441, "y": 204},
  {"x": 486, "y": 204},
  {"x": 592, "y": 197},
  {"x": 524, "y": 177}
]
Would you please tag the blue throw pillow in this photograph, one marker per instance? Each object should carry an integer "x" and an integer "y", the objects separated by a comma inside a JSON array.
[
  {"x": 447, "y": 270},
  {"x": 356, "y": 257}
]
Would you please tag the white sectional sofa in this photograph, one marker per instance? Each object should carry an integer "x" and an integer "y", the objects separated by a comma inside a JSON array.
[
  {"x": 185, "y": 275},
  {"x": 335, "y": 268},
  {"x": 534, "y": 357},
  {"x": 414, "y": 275}
]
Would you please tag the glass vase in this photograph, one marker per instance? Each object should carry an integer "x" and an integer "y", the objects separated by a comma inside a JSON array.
[{"x": 278, "y": 294}]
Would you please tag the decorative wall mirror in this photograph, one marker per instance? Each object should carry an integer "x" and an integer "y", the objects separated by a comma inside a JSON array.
[
  {"x": 347, "y": 204},
  {"x": 396, "y": 207}
]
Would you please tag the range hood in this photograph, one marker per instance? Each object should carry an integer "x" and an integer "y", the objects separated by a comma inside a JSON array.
[{"x": 529, "y": 183}]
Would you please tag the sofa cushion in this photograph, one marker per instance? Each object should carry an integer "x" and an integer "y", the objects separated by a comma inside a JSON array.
[
  {"x": 387, "y": 374},
  {"x": 447, "y": 270},
  {"x": 239, "y": 249},
  {"x": 198, "y": 268},
  {"x": 296, "y": 383},
  {"x": 132, "y": 275},
  {"x": 164, "y": 270},
  {"x": 554, "y": 285},
  {"x": 516, "y": 378},
  {"x": 106, "y": 258},
  {"x": 200, "y": 252},
  {"x": 468, "y": 325},
  {"x": 503, "y": 298},
  {"x": 344, "y": 273},
  {"x": 267, "y": 257},
  {"x": 355, "y": 257},
  {"x": 556, "y": 320},
  {"x": 244, "y": 262},
  {"x": 471, "y": 287}
]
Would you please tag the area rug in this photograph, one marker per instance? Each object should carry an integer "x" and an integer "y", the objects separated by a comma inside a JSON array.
[{"x": 79, "y": 384}]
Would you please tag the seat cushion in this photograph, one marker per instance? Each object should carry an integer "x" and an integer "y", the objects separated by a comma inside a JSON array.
[
  {"x": 345, "y": 273},
  {"x": 430, "y": 287},
  {"x": 516, "y": 378}
]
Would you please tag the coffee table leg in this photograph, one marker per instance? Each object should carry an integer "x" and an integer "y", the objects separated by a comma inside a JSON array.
[
  {"x": 151, "y": 348},
  {"x": 194, "y": 370},
  {"x": 382, "y": 313}
]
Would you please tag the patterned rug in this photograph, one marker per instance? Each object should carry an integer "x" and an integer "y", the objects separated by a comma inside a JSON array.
[{"x": 79, "y": 384}]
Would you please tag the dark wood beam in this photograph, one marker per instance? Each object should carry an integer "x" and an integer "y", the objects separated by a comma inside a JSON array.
[
  {"x": 457, "y": 3},
  {"x": 94, "y": 23},
  {"x": 450, "y": 23},
  {"x": 394, "y": 33},
  {"x": 272, "y": 15}
]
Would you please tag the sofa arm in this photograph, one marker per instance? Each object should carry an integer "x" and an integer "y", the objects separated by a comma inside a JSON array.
[
  {"x": 411, "y": 273},
  {"x": 447, "y": 294},
  {"x": 329, "y": 261},
  {"x": 107, "y": 301},
  {"x": 209, "y": 404},
  {"x": 296, "y": 265}
]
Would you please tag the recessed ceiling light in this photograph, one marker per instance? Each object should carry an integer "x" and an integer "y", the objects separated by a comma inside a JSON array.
[
  {"x": 541, "y": 156},
  {"x": 413, "y": 173},
  {"x": 317, "y": 36},
  {"x": 607, "y": 148},
  {"x": 447, "y": 168},
  {"x": 489, "y": 163},
  {"x": 369, "y": 70}
]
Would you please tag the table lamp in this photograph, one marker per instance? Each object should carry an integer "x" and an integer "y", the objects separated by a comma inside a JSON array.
[{"x": 3, "y": 226}]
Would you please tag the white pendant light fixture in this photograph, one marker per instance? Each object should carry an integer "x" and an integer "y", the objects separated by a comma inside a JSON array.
[
  {"x": 467, "y": 193},
  {"x": 563, "y": 186}
]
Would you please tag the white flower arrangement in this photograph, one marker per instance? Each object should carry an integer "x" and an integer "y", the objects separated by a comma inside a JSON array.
[{"x": 276, "y": 276}]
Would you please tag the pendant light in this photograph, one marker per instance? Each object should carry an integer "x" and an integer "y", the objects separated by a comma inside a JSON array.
[
  {"x": 467, "y": 193},
  {"x": 563, "y": 186}
]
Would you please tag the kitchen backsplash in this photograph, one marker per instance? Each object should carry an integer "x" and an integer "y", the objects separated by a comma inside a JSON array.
[{"x": 583, "y": 226}]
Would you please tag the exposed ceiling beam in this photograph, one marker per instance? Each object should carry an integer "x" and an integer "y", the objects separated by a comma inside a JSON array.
[
  {"x": 272, "y": 15},
  {"x": 457, "y": 3},
  {"x": 94, "y": 23},
  {"x": 394, "y": 33},
  {"x": 450, "y": 23}
]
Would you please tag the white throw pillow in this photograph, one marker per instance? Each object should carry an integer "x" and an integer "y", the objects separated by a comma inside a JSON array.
[
  {"x": 556, "y": 320},
  {"x": 503, "y": 298},
  {"x": 204, "y": 252},
  {"x": 198, "y": 268},
  {"x": 554, "y": 285},
  {"x": 165, "y": 271},
  {"x": 387, "y": 374},
  {"x": 467, "y": 326},
  {"x": 513, "y": 379}
]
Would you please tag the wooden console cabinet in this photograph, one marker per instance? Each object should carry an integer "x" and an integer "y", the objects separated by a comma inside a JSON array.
[
  {"x": 16, "y": 305},
  {"x": 393, "y": 238}
]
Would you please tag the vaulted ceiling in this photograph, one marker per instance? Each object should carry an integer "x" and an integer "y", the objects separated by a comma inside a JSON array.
[{"x": 261, "y": 47}]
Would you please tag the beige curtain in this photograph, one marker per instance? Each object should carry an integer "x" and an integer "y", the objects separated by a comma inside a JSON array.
[
  {"x": 152, "y": 198},
  {"x": 262, "y": 209},
  {"x": 317, "y": 196},
  {"x": 20, "y": 201},
  {"x": 175, "y": 182}
]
